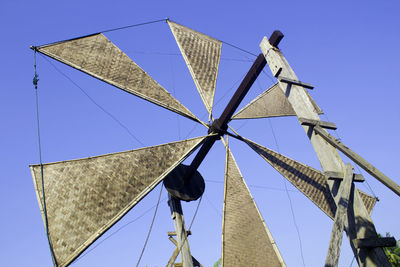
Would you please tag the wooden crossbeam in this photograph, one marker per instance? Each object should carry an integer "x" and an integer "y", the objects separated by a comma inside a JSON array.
[
  {"x": 375, "y": 242},
  {"x": 359, "y": 160},
  {"x": 296, "y": 82},
  {"x": 323, "y": 124},
  {"x": 339, "y": 176}
]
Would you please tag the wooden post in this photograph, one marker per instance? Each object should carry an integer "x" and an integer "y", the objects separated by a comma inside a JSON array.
[
  {"x": 359, "y": 160},
  {"x": 181, "y": 234},
  {"x": 332, "y": 258},
  {"x": 328, "y": 156}
]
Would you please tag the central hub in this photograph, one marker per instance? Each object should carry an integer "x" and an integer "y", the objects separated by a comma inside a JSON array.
[{"x": 216, "y": 127}]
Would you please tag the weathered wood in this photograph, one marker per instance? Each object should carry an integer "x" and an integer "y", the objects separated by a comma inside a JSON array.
[
  {"x": 171, "y": 233},
  {"x": 332, "y": 258},
  {"x": 301, "y": 102},
  {"x": 340, "y": 176},
  {"x": 176, "y": 252},
  {"x": 328, "y": 156},
  {"x": 323, "y": 124},
  {"x": 374, "y": 242},
  {"x": 295, "y": 82},
  {"x": 359, "y": 160},
  {"x": 360, "y": 226},
  {"x": 183, "y": 244}
]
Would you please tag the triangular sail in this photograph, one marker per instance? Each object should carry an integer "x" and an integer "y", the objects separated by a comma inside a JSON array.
[
  {"x": 246, "y": 240},
  {"x": 271, "y": 103},
  {"x": 202, "y": 54},
  {"x": 100, "y": 58},
  {"x": 311, "y": 182},
  {"x": 85, "y": 197}
]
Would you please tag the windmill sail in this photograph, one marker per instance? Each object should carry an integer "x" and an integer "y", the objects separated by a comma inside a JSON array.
[
  {"x": 271, "y": 103},
  {"x": 85, "y": 197},
  {"x": 246, "y": 240},
  {"x": 202, "y": 54},
  {"x": 100, "y": 58},
  {"x": 312, "y": 183}
]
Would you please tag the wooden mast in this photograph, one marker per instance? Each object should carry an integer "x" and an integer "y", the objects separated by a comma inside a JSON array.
[
  {"x": 359, "y": 225},
  {"x": 181, "y": 233}
]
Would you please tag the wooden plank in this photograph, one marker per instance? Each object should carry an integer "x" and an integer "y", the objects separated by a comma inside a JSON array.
[
  {"x": 323, "y": 124},
  {"x": 340, "y": 176},
  {"x": 295, "y": 82},
  {"x": 332, "y": 258},
  {"x": 360, "y": 226},
  {"x": 359, "y": 160},
  {"x": 374, "y": 242},
  {"x": 183, "y": 244},
  {"x": 328, "y": 156}
]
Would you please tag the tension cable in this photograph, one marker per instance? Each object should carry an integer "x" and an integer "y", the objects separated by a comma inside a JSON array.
[{"x": 35, "y": 83}]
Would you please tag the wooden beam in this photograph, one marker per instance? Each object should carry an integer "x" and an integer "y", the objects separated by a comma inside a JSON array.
[
  {"x": 323, "y": 124},
  {"x": 332, "y": 258},
  {"x": 359, "y": 160},
  {"x": 183, "y": 243},
  {"x": 295, "y": 82},
  {"x": 374, "y": 242},
  {"x": 176, "y": 252},
  {"x": 328, "y": 156},
  {"x": 339, "y": 176}
]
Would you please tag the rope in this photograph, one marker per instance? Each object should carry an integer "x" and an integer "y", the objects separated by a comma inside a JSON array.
[
  {"x": 94, "y": 102},
  {"x": 290, "y": 200},
  {"x": 241, "y": 49},
  {"x": 195, "y": 213},
  {"x": 286, "y": 189},
  {"x": 191, "y": 223},
  {"x": 35, "y": 83},
  {"x": 108, "y": 30},
  {"x": 151, "y": 227}
]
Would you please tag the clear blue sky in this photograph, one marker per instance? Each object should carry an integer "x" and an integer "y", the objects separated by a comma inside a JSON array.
[{"x": 347, "y": 49}]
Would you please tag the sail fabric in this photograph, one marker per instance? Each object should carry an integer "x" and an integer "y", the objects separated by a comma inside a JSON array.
[
  {"x": 271, "y": 103},
  {"x": 311, "y": 182},
  {"x": 246, "y": 240},
  {"x": 85, "y": 197},
  {"x": 100, "y": 58},
  {"x": 202, "y": 55}
]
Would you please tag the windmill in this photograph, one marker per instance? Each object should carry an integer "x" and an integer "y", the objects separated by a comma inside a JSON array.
[{"x": 85, "y": 197}]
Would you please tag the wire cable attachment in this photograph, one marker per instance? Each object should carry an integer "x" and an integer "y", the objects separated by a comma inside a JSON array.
[{"x": 35, "y": 83}]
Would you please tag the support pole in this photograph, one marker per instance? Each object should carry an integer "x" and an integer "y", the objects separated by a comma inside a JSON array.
[
  {"x": 181, "y": 234},
  {"x": 328, "y": 156},
  {"x": 332, "y": 258},
  {"x": 359, "y": 160}
]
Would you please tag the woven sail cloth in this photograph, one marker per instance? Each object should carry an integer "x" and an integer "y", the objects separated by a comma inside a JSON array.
[
  {"x": 85, "y": 197},
  {"x": 311, "y": 182},
  {"x": 246, "y": 240},
  {"x": 100, "y": 58},
  {"x": 202, "y": 54},
  {"x": 271, "y": 103}
]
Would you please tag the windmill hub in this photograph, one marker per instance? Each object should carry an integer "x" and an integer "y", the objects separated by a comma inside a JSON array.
[
  {"x": 218, "y": 128},
  {"x": 184, "y": 189}
]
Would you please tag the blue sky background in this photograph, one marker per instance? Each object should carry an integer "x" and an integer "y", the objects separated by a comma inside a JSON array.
[{"x": 347, "y": 49}]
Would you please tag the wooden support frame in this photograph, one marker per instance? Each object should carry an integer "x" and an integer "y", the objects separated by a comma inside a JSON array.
[
  {"x": 360, "y": 223},
  {"x": 332, "y": 258},
  {"x": 287, "y": 80},
  {"x": 359, "y": 160},
  {"x": 181, "y": 234},
  {"x": 323, "y": 124}
]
